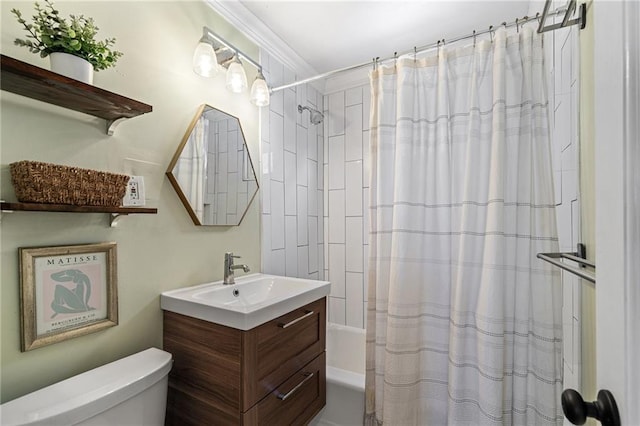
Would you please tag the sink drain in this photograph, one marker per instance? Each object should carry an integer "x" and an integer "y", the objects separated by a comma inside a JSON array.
[{"x": 236, "y": 293}]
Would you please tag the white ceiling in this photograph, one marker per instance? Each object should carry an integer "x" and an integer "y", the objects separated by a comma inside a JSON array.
[{"x": 329, "y": 35}]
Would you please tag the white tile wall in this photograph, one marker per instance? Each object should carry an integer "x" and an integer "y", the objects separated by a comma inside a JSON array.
[
  {"x": 291, "y": 197},
  {"x": 346, "y": 202}
]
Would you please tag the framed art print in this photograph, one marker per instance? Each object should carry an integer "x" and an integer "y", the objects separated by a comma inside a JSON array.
[{"x": 66, "y": 292}]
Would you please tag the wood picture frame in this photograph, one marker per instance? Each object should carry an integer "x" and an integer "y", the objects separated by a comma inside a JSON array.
[{"x": 66, "y": 292}]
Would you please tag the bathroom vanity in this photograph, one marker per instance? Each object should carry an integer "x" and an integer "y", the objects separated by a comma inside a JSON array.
[{"x": 240, "y": 374}]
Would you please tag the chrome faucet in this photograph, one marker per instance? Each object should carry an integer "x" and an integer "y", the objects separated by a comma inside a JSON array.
[{"x": 229, "y": 268}]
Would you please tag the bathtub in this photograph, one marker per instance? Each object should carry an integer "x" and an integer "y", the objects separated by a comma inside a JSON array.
[{"x": 345, "y": 377}]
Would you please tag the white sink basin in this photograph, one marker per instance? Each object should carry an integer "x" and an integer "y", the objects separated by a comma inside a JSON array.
[{"x": 253, "y": 300}]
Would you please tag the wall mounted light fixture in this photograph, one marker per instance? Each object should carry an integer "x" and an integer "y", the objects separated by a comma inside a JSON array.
[{"x": 213, "y": 53}]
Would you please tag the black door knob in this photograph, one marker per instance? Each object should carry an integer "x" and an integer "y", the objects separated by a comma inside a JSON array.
[{"x": 603, "y": 409}]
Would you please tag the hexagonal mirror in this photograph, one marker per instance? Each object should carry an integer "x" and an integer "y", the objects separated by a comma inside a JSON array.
[{"x": 212, "y": 171}]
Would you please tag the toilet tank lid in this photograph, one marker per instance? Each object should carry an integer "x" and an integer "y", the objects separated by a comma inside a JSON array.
[{"x": 85, "y": 395}]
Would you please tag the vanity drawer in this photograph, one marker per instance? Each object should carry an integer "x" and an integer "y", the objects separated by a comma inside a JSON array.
[
  {"x": 295, "y": 401},
  {"x": 278, "y": 349}
]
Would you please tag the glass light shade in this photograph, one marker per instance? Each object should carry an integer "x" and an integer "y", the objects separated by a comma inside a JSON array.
[
  {"x": 205, "y": 62},
  {"x": 259, "y": 92},
  {"x": 236, "y": 78}
]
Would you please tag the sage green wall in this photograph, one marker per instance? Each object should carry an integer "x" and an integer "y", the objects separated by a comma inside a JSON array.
[{"x": 155, "y": 252}]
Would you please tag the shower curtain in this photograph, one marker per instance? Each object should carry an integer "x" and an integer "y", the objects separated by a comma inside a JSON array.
[{"x": 463, "y": 322}]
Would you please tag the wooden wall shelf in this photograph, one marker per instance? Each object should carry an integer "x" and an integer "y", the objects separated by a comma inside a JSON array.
[
  {"x": 116, "y": 212},
  {"x": 46, "y": 86}
]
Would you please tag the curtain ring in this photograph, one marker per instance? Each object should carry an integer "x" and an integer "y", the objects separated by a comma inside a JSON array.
[
  {"x": 395, "y": 59},
  {"x": 491, "y": 32},
  {"x": 517, "y": 27},
  {"x": 415, "y": 54},
  {"x": 505, "y": 24},
  {"x": 538, "y": 17},
  {"x": 474, "y": 38}
]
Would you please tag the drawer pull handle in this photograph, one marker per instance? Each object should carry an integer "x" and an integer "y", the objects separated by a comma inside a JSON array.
[
  {"x": 284, "y": 396},
  {"x": 290, "y": 323}
]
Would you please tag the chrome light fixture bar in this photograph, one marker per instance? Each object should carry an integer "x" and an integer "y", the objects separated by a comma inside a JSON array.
[{"x": 214, "y": 52}]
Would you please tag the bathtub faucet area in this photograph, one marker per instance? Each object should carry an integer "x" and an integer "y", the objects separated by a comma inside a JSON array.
[{"x": 229, "y": 268}]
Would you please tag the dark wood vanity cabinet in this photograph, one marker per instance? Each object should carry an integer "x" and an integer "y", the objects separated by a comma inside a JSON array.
[{"x": 273, "y": 374}]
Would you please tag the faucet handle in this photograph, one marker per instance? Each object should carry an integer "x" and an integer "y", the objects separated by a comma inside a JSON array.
[{"x": 230, "y": 254}]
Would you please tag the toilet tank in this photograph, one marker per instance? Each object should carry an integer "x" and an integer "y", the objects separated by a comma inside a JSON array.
[{"x": 129, "y": 391}]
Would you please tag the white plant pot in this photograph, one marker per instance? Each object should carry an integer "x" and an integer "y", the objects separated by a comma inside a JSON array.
[{"x": 71, "y": 66}]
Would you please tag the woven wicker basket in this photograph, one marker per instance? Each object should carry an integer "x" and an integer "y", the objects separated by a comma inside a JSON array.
[{"x": 36, "y": 182}]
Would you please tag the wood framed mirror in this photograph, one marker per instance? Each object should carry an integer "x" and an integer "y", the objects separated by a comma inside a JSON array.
[{"x": 212, "y": 171}]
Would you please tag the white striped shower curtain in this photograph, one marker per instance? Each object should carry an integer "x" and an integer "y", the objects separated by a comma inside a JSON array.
[{"x": 463, "y": 323}]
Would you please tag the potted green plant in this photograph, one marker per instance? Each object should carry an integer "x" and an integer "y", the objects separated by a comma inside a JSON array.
[{"x": 71, "y": 45}]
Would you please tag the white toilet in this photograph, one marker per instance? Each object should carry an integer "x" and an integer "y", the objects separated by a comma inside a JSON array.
[{"x": 129, "y": 391}]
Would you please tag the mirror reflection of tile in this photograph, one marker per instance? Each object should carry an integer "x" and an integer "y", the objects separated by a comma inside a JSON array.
[{"x": 214, "y": 172}]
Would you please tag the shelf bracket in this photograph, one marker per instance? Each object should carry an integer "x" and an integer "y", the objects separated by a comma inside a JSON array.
[
  {"x": 114, "y": 219},
  {"x": 112, "y": 124},
  {"x": 4, "y": 211}
]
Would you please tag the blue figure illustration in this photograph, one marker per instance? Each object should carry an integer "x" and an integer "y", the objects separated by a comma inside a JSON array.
[{"x": 72, "y": 301}]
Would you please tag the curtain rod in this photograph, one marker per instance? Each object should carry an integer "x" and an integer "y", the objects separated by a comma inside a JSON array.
[{"x": 417, "y": 50}]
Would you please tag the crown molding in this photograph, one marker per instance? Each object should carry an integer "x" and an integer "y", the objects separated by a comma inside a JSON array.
[{"x": 255, "y": 30}]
